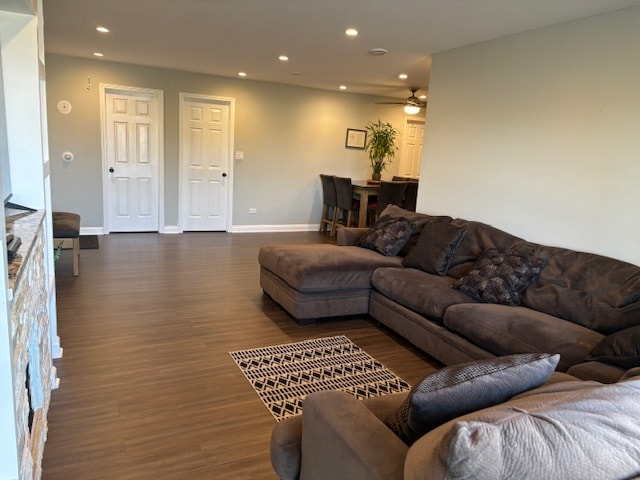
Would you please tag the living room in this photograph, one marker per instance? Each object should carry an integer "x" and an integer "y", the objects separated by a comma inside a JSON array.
[
  {"x": 522, "y": 134},
  {"x": 533, "y": 132}
]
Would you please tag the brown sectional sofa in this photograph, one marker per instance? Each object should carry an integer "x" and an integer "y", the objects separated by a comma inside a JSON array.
[
  {"x": 575, "y": 302},
  {"x": 564, "y": 429}
]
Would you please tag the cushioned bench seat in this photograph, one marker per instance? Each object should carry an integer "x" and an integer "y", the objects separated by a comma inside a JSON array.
[
  {"x": 67, "y": 225},
  {"x": 316, "y": 281}
]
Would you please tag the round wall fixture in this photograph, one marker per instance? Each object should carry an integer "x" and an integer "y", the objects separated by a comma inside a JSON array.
[
  {"x": 64, "y": 107},
  {"x": 378, "y": 52}
]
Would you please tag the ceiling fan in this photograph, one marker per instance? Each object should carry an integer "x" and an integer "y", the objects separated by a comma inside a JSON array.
[{"x": 412, "y": 104}]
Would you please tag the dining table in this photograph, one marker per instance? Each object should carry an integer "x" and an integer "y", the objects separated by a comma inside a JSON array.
[{"x": 364, "y": 189}]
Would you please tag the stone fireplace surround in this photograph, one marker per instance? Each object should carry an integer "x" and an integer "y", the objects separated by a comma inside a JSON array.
[{"x": 31, "y": 343}]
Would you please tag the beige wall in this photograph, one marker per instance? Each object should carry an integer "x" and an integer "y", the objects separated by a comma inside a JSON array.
[
  {"x": 539, "y": 134},
  {"x": 289, "y": 136}
]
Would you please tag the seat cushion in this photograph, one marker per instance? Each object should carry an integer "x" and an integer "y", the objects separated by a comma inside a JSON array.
[
  {"x": 422, "y": 292},
  {"x": 323, "y": 267},
  {"x": 65, "y": 225},
  {"x": 506, "y": 330},
  {"x": 600, "y": 372}
]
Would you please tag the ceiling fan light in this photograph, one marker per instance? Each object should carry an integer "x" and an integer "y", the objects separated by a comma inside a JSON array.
[{"x": 411, "y": 109}]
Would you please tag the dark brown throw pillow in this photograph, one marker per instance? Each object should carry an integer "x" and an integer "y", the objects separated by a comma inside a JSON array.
[
  {"x": 388, "y": 235},
  {"x": 621, "y": 348},
  {"x": 435, "y": 248},
  {"x": 500, "y": 277}
]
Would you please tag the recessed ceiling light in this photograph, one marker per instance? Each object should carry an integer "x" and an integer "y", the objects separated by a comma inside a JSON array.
[
  {"x": 242, "y": 74},
  {"x": 403, "y": 76},
  {"x": 342, "y": 87},
  {"x": 102, "y": 29},
  {"x": 98, "y": 54},
  {"x": 351, "y": 32},
  {"x": 283, "y": 58}
]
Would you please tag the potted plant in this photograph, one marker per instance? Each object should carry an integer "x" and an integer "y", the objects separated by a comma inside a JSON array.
[{"x": 381, "y": 146}]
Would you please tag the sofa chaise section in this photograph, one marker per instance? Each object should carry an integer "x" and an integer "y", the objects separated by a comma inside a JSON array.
[{"x": 317, "y": 281}]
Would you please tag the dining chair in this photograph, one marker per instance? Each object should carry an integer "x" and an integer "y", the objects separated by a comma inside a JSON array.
[
  {"x": 346, "y": 203},
  {"x": 390, "y": 193},
  {"x": 410, "y": 196},
  {"x": 329, "y": 203}
]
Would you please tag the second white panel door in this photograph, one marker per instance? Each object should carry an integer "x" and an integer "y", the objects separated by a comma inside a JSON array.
[{"x": 204, "y": 162}]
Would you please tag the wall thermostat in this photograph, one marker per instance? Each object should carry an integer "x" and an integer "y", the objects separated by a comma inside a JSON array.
[{"x": 64, "y": 107}]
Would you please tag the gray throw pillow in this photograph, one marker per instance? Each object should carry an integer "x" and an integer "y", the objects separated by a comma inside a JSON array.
[
  {"x": 388, "y": 235},
  {"x": 500, "y": 277},
  {"x": 621, "y": 348},
  {"x": 465, "y": 388},
  {"x": 436, "y": 246}
]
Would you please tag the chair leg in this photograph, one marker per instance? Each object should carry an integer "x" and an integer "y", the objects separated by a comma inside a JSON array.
[
  {"x": 76, "y": 256},
  {"x": 323, "y": 223},
  {"x": 334, "y": 222}
]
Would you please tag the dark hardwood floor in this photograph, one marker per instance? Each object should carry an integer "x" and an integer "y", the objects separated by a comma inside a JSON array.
[{"x": 147, "y": 387}]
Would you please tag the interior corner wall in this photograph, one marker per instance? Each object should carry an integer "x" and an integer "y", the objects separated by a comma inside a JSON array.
[
  {"x": 289, "y": 135},
  {"x": 539, "y": 134}
]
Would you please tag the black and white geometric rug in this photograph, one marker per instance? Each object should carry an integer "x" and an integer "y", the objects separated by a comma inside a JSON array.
[{"x": 283, "y": 375}]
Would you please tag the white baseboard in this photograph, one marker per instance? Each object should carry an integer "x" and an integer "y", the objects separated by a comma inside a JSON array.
[
  {"x": 91, "y": 230},
  {"x": 274, "y": 228},
  {"x": 173, "y": 229},
  {"x": 170, "y": 229}
]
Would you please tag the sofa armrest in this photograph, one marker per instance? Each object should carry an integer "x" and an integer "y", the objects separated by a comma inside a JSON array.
[
  {"x": 285, "y": 448},
  {"x": 342, "y": 438},
  {"x": 349, "y": 236}
]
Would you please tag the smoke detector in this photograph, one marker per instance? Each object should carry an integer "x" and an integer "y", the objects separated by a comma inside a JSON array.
[{"x": 378, "y": 52}]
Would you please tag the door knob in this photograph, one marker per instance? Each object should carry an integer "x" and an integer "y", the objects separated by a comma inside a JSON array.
[
  {"x": 111, "y": 170},
  {"x": 224, "y": 174}
]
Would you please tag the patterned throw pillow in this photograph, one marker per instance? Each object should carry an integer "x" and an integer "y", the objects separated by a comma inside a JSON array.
[
  {"x": 436, "y": 246},
  {"x": 465, "y": 388},
  {"x": 388, "y": 235},
  {"x": 500, "y": 277}
]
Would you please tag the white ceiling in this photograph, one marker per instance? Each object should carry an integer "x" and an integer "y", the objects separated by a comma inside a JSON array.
[{"x": 224, "y": 37}]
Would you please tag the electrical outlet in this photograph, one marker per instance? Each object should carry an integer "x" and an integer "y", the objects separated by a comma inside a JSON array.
[{"x": 253, "y": 211}]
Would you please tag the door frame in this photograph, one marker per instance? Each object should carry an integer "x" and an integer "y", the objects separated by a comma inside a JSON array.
[
  {"x": 213, "y": 99},
  {"x": 158, "y": 95}
]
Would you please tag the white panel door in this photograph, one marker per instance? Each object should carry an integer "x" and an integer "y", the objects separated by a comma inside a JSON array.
[
  {"x": 131, "y": 148},
  {"x": 205, "y": 151},
  {"x": 412, "y": 149}
]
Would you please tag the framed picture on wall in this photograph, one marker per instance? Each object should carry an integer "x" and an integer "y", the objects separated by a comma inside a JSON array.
[{"x": 356, "y": 138}]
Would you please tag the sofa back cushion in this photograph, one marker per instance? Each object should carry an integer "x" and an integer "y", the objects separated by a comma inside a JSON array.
[
  {"x": 435, "y": 248},
  {"x": 590, "y": 433},
  {"x": 419, "y": 220},
  {"x": 478, "y": 238},
  {"x": 598, "y": 292}
]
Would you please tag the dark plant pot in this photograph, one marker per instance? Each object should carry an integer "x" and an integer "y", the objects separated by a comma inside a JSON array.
[{"x": 376, "y": 176}]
